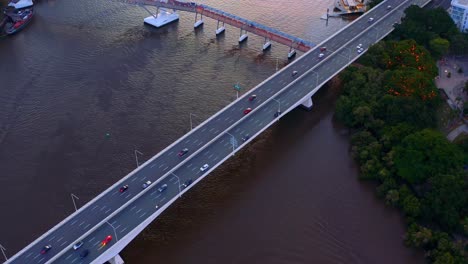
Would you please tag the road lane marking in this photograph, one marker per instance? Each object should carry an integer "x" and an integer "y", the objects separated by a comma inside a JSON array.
[
  {"x": 134, "y": 178},
  {"x": 123, "y": 230},
  {"x": 60, "y": 239},
  {"x": 36, "y": 256},
  {"x": 200, "y": 143},
  {"x": 217, "y": 157},
  {"x": 108, "y": 210},
  {"x": 192, "y": 170},
  {"x": 63, "y": 243},
  {"x": 91, "y": 240},
  {"x": 95, "y": 244},
  {"x": 41, "y": 260},
  {"x": 102, "y": 208},
  {"x": 143, "y": 214},
  {"x": 86, "y": 227},
  {"x": 114, "y": 193},
  {"x": 113, "y": 223},
  {"x": 160, "y": 166},
  {"x": 73, "y": 222},
  {"x": 74, "y": 260},
  {"x": 139, "y": 210},
  {"x": 211, "y": 129},
  {"x": 209, "y": 157},
  {"x": 117, "y": 227},
  {"x": 52, "y": 238},
  {"x": 142, "y": 179},
  {"x": 30, "y": 253},
  {"x": 158, "y": 195},
  {"x": 216, "y": 132},
  {"x": 166, "y": 168},
  {"x": 170, "y": 153},
  {"x": 79, "y": 225},
  {"x": 222, "y": 140},
  {"x": 162, "y": 200},
  {"x": 188, "y": 166},
  {"x": 195, "y": 141},
  {"x": 203, "y": 129},
  {"x": 133, "y": 208},
  {"x": 69, "y": 256},
  {"x": 152, "y": 165}
]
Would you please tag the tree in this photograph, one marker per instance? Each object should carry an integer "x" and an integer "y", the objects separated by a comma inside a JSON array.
[
  {"x": 425, "y": 154},
  {"x": 446, "y": 199},
  {"x": 439, "y": 47}
]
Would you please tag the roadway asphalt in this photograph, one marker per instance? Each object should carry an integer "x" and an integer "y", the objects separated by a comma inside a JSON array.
[{"x": 134, "y": 213}]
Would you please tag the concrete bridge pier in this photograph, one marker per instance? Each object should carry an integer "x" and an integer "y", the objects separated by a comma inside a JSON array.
[
  {"x": 116, "y": 260},
  {"x": 307, "y": 104},
  {"x": 198, "y": 22},
  {"x": 220, "y": 30}
]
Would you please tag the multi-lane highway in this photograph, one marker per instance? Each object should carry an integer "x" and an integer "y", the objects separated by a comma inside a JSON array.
[{"x": 117, "y": 214}]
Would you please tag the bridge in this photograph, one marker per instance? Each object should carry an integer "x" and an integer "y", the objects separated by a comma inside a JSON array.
[
  {"x": 121, "y": 216},
  {"x": 226, "y": 18}
]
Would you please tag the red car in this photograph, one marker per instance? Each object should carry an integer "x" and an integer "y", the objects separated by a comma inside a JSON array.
[
  {"x": 106, "y": 240},
  {"x": 123, "y": 188},
  {"x": 45, "y": 249},
  {"x": 248, "y": 110},
  {"x": 251, "y": 98}
]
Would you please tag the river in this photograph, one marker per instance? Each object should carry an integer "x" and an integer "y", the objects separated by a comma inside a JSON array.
[{"x": 87, "y": 84}]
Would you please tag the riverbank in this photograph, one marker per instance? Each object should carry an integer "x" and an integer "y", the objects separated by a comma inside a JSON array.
[{"x": 392, "y": 104}]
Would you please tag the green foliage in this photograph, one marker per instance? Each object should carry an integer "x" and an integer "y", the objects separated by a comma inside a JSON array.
[
  {"x": 418, "y": 236},
  {"x": 426, "y": 154},
  {"x": 446, "y": 200},
  {"x": 459, "y": 44},
  {"x": 439, "y": 47}
]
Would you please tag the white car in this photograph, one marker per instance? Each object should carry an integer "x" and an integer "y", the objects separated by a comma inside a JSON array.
[
  {"x": 360, "y": 50},
  {"x": 204, "y": 167},
  {"x": 370, "y": 19},
  {"x": 389, "y": 7},
  {"x": 146, "y": 184},
  {"x": 321, "y": 55},
  {"x": 359, "y": 46},
  {"x": 77, "y": 245}
]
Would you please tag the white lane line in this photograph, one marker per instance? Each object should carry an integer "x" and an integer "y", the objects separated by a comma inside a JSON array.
[
  {"x": 117, "y": 227},
  {"x": 203, "y": 129},
  {"x": 237, "y": 130},
  {"x": 114, "y": 193},
  {"x": 73, "y": 222},
  {"x": 153, "y": 193},
  {"x": 195, "y": 141},
  {"x": 222, "y": 140},
  {"x": 134, "y": 178},
  {"x": 86, "y": 227},
  {"x": 192, "y": 170},
  {"x": 69, "y": 256},
  {"x": 166, "y": 168},
  {"x": 261, "y": 124},
  {"x": 36, "y": 256},
  {"x": 82, "y": 222},
  {"x": 216, "y": 158},
  {"x": 95, "y": 244},
  {"x": 143, "y": 214},
  {"x": 123, "y": 230},
  {"x": 52, "y": 238},
  {"x": 200, "y": 143},
  {"x": 170, "y": 153},
  {"x": 210, "y": 156},
  {"x": 160, "y": 166},
  {"x": 175, "y": 182},
  {"x": 157, "y": 196},
  {"x": 75, "y": 259},
  {"x": 187, "y": 141},
  {"x": 30, "y": 253},
  {"x": 133, "y": 207},
  {"x": 211, "y": 129},
  {"x": 142, "y": 179},
  {"x": 152, "y": 165},
  {"x": 216, "y": 132},
  {"x": 162, "y": 200},
  {"x": 227, "y": 143},
  {"x": 102, "y": 208},
  {"x": 64, "y": 242},
  {"x": 60, "y": 239},
  {"x": 91, "y": 240},
  {"x": 113, "y": 223},
  {"x": 41, "y": 260},
  {"x": 109, "y": 210},
  {"x": 139, "y": 210},
  {"x": 226, "y": 119}
]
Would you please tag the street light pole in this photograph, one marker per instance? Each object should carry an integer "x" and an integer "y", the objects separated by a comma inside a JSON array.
[
  {"x": 136, "y": 157},
  {"x": 178, "y": 180},
  {"x": 233, "y": 141},
  {"x": 277, "y": 63},
  {"x": 191, "y": 126},
  {"x": 73, "y": 199},
  {"x": 3, "y": 252},
  {"x": 113, "y": 228}
]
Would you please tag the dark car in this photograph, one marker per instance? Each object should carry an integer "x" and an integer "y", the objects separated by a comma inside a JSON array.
[
  {"x": 45, "y": 249},
  {"x": 252, "y": 97},
  {"x": 248, "y": 110},
  {"x": 323, "y": 49},
  {"x": 245, "y": 138},
  {"x": 187, "y": 183},
  {"x": 183, "y": 152},
  {"x": 162, "y": 188},
  {"x": 84, "y": 253},
  {"x": 294, "y": 73},
  {"x": 278, "y": 113},
  {"x": 123, "y": 188}
]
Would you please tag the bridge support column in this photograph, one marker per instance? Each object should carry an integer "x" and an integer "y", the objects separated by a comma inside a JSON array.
[
  {"x": 266, "y": 44},
  {"x": 291, "y": 53},
  {"x": 116, "y": 260},
  {"x": 307, "y": 104},
  {"x": 242, "y": 37},
  {"x": 198, "y": 22},
  {"x": 221, "y": 29}
]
